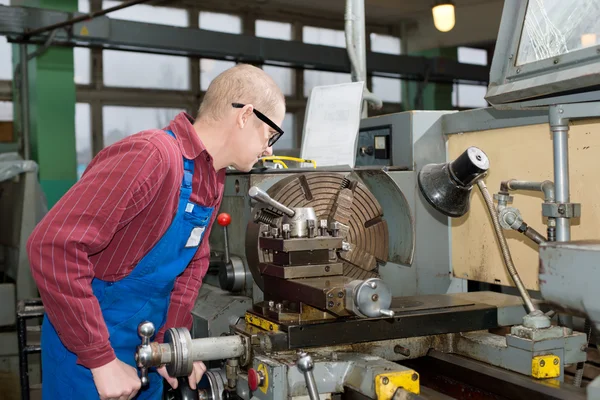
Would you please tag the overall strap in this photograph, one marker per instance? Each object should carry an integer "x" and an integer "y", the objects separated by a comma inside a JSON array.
[{"x": 188, "y": 167}]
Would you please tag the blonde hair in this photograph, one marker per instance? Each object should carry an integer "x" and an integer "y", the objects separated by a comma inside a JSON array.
[{"x": 244, "y": 84}]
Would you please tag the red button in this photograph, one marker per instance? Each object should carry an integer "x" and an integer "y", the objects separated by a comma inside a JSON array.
[
  {"x": 224, "y": 219},
  {"x": 253, "y": 379}
]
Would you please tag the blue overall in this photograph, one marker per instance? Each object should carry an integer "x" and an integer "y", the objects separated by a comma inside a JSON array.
[{"x": 143, "y": 295}]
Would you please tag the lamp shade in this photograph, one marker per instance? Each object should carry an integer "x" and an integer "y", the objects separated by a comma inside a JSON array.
[
  {"x": 447, "y": 187},
  {"x": 443, "y": 16}
]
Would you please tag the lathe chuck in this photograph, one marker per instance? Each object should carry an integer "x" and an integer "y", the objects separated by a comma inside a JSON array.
[{"x": 334, "y": 197}]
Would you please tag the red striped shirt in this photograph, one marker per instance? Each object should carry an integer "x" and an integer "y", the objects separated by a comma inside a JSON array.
[{"x": 105, "y": 224}]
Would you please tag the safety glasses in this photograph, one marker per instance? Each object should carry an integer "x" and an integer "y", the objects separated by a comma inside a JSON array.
[{"x": 266, "y": 120}]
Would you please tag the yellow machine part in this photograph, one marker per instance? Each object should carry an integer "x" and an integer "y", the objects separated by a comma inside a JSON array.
[
  {"x": 261, "y": 323},
  {"x": 387, "y": 384},
  {"x": 547, "y": 366}
]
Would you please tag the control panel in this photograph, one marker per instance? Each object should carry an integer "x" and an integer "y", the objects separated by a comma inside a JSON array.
[{"x": 374, "y": 147}]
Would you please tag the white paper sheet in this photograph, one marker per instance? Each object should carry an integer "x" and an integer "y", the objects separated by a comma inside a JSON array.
[{"x": 331, "y": 124}]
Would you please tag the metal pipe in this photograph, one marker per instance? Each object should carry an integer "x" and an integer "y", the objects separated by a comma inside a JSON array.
[
  {"x": 504, "y": 247},
  {"x": 533, "y": 234},
  {"x": 81, "y": 18},
  {"x": 547, "y": 187},
  {"x": 203, "y": 349},
  {"x": 560, "y": 135},
  {"x": 24, "y": 93},
  {"x": 258, "y": 194}
]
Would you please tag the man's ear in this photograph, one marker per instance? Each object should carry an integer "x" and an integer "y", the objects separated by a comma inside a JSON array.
[{"x": 245, "y": 115}]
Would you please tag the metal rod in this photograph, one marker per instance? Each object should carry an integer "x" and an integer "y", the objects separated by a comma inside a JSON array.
[
  {"x": 258, "y": 194},
  {"x": 305, "y": 365},
  {"x": 560, "y": 135},
  {"x": 504, "y": 247},
  {"x": 534, "y": 235},
  {"x": 24, "y": 93},
  {"x": 81, "y": 18},
  {"x": 226, "y": 245}
]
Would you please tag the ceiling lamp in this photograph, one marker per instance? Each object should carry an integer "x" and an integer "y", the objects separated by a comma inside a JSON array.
[{"x": 443, "y": 15}]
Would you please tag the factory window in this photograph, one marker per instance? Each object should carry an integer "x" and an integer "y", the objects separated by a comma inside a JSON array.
[
  {"x": 387, "y": 89},
  {"x": 273, "y": 30},
  {"x": 81, "y": 57},
  {"x": 5, "y": 53},
  {"x": 326, "y": 37},
  {"x": 83, "y": 136},
  {"x": 284, "y": 77},
  {"x": 129, "y": 69},
  {"x": 323, "y": 36},
  {"x": 5, "y": 59},
  {"x": 385, "y": 44},
  {"x": 220, "y": 22},
  {"x": 82, "y": 6},
  {"x": 119, "y": 122},
  {"x": 148, "y": 14},
  {"x": 322, "y": 78},
  {"x": 6, "y": 111},
  {"x": 209, "y": 69},
  {"x": 470, "y": 96},
  {"x": 287, "y": 141},
  {"x": 150, "y": 71}
]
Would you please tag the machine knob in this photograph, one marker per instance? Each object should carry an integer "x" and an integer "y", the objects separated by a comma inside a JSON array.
[
  {"x": 224, "y": 219},
  {"x": 306, "y": 365},
  {"x": 144, "y": 352},
  {"x": 255, "y": 379}
]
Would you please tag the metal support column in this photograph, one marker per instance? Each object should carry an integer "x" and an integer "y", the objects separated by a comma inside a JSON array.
[{"x": 559, "y": 126}]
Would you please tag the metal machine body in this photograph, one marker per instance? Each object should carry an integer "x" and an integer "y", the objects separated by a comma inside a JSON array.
[{"x": 313, "y": 243}]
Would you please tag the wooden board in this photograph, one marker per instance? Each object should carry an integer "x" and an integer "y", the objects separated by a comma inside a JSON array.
[{"x": 523, "y": 153}]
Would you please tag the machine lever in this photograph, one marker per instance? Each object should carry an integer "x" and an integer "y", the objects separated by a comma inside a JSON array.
[
  {"x": 306, "y": 365},
  {"x": 144, "y": 352},
  {"x": 224, "y": 220},
  {"x": 262, "y": 196}
]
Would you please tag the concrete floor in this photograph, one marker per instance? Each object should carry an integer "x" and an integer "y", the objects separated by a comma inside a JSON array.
[{"x": 9, "y": 366}]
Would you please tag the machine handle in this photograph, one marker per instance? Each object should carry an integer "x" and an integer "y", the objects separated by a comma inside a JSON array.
[
  {"x": 224, "y": 220},
  {"x": 144, "y": 352},
  {"x": 258, "y": 194},
  {"x": 306, "y": 365}
]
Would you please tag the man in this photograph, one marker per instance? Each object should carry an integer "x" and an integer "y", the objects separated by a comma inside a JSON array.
[{"x": 128, "y": 242}]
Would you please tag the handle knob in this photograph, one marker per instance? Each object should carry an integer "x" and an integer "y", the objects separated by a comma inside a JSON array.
[
  {"x": 260, "y": 195},
  {"x": 144, "y": 351},
  {"x": 224, "y": 219},
  {"x": 305, "y": 365}
]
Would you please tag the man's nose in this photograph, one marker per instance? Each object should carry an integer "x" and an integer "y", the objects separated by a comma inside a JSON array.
[{"x": 268, "y": 151}]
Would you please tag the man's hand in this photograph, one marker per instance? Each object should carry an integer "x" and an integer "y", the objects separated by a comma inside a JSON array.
[
  {"x": 194, "y": 378},
  {"x": 116, "y": 381}
]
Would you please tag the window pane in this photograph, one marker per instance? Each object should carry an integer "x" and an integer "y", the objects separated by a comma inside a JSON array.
[
  {"x": 83, "y": 136},
  {"x": 284, "y": 77},
  {"x": 5, "y": 54},
  {"x": 209, "y": 69},
  {"x": 324, "y": 36},
  {"x": 149, "y": 14},
  {"x": 385, "y": 44},
  {"x": 120, "y": 122},
  {"x": 157, "y": 71},
  {"x": 220, "y": 22},
  {"x": 273, "y": 30},
  {"x": 387, "y": 89},
  {"x": 83, "y": 6},
  {"x": 5, "y": 59},
  {"x": 81, "y": 58},
  {"x": 287, "y": 141},
  {"x": 321, "y": 78},
  {"x": 467, "y": 55},
  {"x": 6, "y": 111},
  {"x": 469, "y": 96}
]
